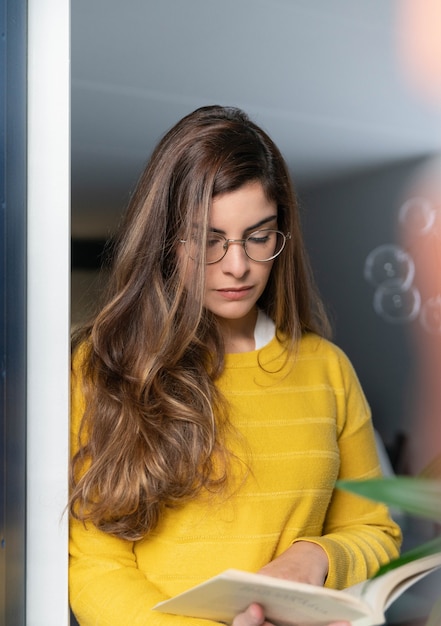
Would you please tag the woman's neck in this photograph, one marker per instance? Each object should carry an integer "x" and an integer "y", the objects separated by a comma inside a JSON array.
[{"x": 238, "y": 334}]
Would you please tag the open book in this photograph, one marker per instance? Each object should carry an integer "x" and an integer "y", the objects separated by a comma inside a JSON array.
[{"x": 287, "y": 603}]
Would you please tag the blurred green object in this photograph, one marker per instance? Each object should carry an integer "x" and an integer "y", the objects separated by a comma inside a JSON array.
[
  {"x": 416, "y": 495},
  {"x": 413, "y": 494},
  {"x": 425, "y": 549}
]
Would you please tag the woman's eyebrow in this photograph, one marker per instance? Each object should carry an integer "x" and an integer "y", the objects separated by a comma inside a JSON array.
[{"x": 265, "y": 220}]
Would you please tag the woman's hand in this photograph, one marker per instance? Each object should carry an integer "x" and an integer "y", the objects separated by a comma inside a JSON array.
[
  {"x": 254, "y": 616},
  {"x": 303, "y": 562}
]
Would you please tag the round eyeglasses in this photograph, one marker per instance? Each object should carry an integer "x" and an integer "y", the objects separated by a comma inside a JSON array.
[{"x": 260, "y": 246}]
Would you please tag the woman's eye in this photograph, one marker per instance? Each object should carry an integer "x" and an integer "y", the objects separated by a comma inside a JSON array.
[
  {"x": 264, "y": 239},
  {"x": 213, "y": 241}
]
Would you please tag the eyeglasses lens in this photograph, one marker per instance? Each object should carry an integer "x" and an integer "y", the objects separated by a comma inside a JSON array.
[{"x": 263, "y": 245}]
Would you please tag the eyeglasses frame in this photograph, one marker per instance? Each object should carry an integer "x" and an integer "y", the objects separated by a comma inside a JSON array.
[{"x": 227, "y": 243}]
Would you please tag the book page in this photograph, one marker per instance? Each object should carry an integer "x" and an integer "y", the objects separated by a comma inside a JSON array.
[
  {"x": 380, "y": 592},
  {"x": 285, "y": 603}
]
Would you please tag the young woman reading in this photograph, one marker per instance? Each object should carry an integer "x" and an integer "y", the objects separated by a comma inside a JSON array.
[{"x": 211, "y": 416}]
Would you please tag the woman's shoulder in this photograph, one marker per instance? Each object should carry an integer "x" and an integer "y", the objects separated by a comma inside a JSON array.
[
  {"x": 311, "y": 342},
  {"x": 314, "y": 347},
  {"x": 78, "y": 376},
  {"x": 80, "y": 353},
  {"x": 325, "y": 355}
]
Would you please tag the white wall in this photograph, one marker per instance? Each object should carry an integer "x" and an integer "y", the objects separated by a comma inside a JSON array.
[{"x": 48, "y": 311}]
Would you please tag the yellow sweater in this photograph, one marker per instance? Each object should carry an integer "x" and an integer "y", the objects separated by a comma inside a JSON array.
[{"x": 298, "y": 429}]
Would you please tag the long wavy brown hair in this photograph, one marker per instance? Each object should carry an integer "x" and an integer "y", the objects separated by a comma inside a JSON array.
[{"x": 152, "y": 435}]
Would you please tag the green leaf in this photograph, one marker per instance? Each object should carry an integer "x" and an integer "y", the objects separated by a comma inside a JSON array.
[
  {"x": 426, "y": 549},
  {"x": 418, "y": 496}
]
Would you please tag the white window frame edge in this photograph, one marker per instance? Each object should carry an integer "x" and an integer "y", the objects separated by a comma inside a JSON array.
[{"x": 48, "y": 288}]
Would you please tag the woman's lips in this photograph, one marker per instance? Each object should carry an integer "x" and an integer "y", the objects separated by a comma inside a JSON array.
[{"x": 234, "y": 293}]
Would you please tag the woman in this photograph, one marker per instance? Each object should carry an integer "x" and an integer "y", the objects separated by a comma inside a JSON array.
[{"x": 210, "y": 416}]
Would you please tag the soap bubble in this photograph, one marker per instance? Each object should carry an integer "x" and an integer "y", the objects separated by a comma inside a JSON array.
[
  {"x": 395, "y": 304},
  {"x": 389, "y": 265},
  {"x": 417, "y": 215},
  {"x": 431, "y": 315}
]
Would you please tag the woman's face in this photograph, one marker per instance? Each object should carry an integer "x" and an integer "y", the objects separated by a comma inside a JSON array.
[{"x": 234, "y": 284}]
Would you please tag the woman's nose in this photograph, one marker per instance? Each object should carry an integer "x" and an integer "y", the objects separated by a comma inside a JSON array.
[{"x": 235, "y": 262}]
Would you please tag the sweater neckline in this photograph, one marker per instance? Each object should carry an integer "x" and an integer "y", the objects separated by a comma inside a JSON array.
[{"x": 241, "y": 359}]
